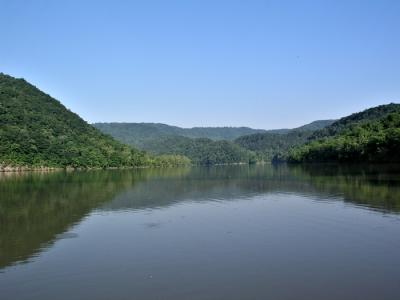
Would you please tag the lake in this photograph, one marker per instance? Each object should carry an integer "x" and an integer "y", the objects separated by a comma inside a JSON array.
[{"x": 226, "y": 232}]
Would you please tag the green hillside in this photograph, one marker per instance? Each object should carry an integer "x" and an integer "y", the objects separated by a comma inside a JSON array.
[
  {"x": 211, "y": 145},
  {"x": 38, "y": 131},
  {"x": 275, "y": 144},
  {"x": 367, "y": 115},
  {"x": 316, "y": 125},
  {"x": 202, "y": 145},
  {"x": 200, "y": 151},
  {"x": 369, "y": 136},
  {"x": 139, "y": 133}
]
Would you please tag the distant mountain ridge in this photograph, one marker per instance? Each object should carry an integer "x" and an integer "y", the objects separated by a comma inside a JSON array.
[
  {"x": 316, "y": 125},
  {"x": 133, "y": 133},
  {"x": 139, "y": 134},
  {"x": 160, "y": 139},
  {"x": 211, "y": 145}
]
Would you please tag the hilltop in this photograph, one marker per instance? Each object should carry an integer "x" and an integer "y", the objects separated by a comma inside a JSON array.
[
  {"x": 36, "y": 130},
  {"x": 372, "y": 135}
]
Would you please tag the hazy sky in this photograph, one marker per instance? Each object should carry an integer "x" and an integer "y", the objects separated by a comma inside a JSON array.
[{"x": 264, "y": 64}]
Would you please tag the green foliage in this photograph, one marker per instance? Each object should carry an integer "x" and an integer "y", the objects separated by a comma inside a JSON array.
[
  {"x": 211, "y": 145},
  {"x": 170, "y": 160},
  {"x": 37, "y": 130},
  {"x": 316, "y": 125},
  {"x": 201, "y": 151},
  {"x": 138, "y": 134},
  {"x": 367, "y": 115},
  {"x": 162, "y": 139},
  {"x": 372, "y": 139},
  {"x": 273, "y": 146}
]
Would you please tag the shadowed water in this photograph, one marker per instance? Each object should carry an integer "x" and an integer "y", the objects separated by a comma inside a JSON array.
[{"x": 228, "y": 232}]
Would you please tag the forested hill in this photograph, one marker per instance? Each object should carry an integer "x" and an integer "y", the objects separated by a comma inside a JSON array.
[
  {"x": 154, "y": 139},
  {"x": 275, "y": 144},
  {"x": 372, "y": 135},
  {"x": 38, "y": 131},
  {"x": 139, "y": 133},
  {"x": 316, "y": 125},
  {"x": 367, "y": 115},
  {"x": 201, "y": 151},
  {"x": 211, "y": 145}
]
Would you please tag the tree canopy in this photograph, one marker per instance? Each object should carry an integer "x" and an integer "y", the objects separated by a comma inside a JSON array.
[{"x": 370, "y": 136}]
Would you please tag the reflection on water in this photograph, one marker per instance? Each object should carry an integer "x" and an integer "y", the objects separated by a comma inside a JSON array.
[
  {"x": 36, "y": 208},
  {"x": 39, "y": 209},
  {"x": 375, "y": 187}
]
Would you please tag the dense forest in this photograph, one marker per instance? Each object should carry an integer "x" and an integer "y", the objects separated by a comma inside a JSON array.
[
  {"x": 273, "y": 146},
  {"x": 38, "y": 131},
  {"x": 201, "y": 151},
  {"x": 313, "y": 126},
  {"x": 212, "y": 145},
  {"x": 369, "y": 136},
  {"x": 374, "y": 113},
  {"x": 138, "y": 134},
  {"x": 202, "y": 145}
]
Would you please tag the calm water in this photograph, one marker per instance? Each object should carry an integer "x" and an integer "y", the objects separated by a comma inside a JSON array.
[{"x": 257, "y": 232}]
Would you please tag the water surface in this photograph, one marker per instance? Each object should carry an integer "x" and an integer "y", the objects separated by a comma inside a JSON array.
[{"x": 232, "y": 232}]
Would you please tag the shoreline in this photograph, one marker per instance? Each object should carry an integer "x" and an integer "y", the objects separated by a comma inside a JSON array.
[{"x": 17, "y": 169}]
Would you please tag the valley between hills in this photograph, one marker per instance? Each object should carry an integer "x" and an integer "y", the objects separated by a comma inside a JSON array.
[{"x": 38, "y": 132}]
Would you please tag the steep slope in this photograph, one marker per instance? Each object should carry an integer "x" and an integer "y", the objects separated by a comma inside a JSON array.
[
  {"x": 372, "y": 135},
  {"x": 37, "y": 130},
  {"x": 367, "y": 115}
]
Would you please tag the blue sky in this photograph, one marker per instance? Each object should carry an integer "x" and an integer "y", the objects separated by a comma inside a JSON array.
[{"x": 263, "y": 64}]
